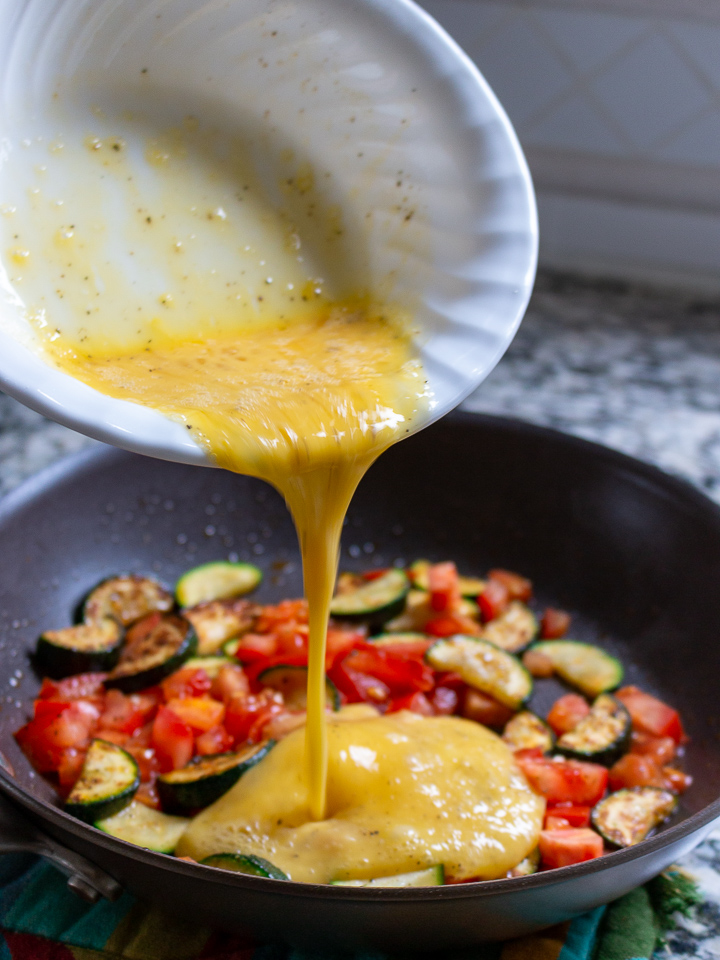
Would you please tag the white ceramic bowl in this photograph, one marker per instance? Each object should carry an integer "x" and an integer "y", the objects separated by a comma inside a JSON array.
[{"x": 373, "y": 90}]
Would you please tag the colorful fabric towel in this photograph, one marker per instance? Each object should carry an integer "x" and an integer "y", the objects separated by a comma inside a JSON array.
[{"x": 40, "y": 919}]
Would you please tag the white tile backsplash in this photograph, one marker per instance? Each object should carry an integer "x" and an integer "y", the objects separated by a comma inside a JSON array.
[{"x": 630, "y": 83}]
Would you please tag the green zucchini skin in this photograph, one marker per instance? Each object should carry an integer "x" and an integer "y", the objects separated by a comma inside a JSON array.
[
  {"x": 603, "y": 736},
  {"x": 212, "y": 665},
  {"x": 627, "y": 816},
  {"x": 108, "y": 781},
  {"x": 126, "y": 599},
  {"x": 218, "y": 621},
  {"x": 248, "y": 864},
  {"x": 583, "y": 665},
  {"x": 217, "y": 580},
  {"x": 484, "y": 666},
  {"x": 526, "y": 731},
  {"x": 145, "y": 827},
  {"x": 514, "y": 630},
  {"x": 84, "y": 648},
  {"x": 397, "y": 639},
  {"x": 204, "y": 779},
  {"x": 528, "y": 866},
  {"x": 373, "y": 602},
  {"x": 291, "y": 681},
  {"x": 154, "y": 657}
]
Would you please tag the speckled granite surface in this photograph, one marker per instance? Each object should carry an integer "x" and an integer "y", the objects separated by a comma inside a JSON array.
[{"x": 637, "y": 370}]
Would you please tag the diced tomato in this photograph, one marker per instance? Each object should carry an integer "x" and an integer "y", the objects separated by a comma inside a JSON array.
[
  {"x": 660, "y": 749},
  {"x": 676, "y": 780},
  {"x": 554, "y": 623},
  {"x": 575, "y": 816},
  {"x": 146, "y": 759},
  {"x": 562, "y": 848},
  {"x": 564, "y": 781},
  {"x": 444, "y": 587},
  {"x": 444, "y": 700},
  {"x": 143, "y": 628},
  {"x": 493, "y": 600},
  {"x": 518, "y": 588},
  {"x": 127, "y": 713},
  {"x": 340, "y": 642},
  {"x": 214, "y": 740},
  {"x": 81, "y": 686},
  {"x": 147, "y": 793},
  {"x": 554, "y": 821},
  {"x": 635, "y": 770},
  {"x": 450, "y": 624},
  {"x": 417, "y": 702},
  {"x": 370, "y": 575},
  {"x": 650, "y": 715},
  {"x": 69, "y": 767},
  {"x": 231, "y": 680},
  {"x": 358, "y": 687},
  {"x": 409, "y": 650},
  {"x": 186, "y": 682},
  {"x": 287, "y": 613},
  {"x": 398, "y": 673},
  {"x": 49, "y": 709},
  {"x": 113, "y": 736},
  {"x": 254, "y": 647},
  {"x": 567, "y": 712},
  {"x": 242, "y": 713},
  {"x": 173, "y": 740},
  {"x": 538, "y": 664},
  {"x": 200, "y": 713},
  {"x": 483, "y": 709},
  {"x": 44, "y": 740}
]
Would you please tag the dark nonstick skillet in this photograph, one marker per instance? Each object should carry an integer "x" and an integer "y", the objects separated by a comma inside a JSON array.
[{"x": 634, "y": 554}]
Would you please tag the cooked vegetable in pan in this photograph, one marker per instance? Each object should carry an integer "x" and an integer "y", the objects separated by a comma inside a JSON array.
[{"x": 150, "y": 710}]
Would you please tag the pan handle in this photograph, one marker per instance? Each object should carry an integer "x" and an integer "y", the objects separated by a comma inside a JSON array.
[{"x": 20, "y": 835}]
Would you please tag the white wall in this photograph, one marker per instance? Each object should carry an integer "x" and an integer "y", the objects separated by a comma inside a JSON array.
[{"x": 617, "y": 104}]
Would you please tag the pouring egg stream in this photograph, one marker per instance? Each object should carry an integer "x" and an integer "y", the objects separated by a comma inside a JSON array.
[{"x": 159, "y": 272}]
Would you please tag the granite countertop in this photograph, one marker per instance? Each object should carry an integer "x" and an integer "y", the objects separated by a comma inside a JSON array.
[{"x": 635, "y": 369}]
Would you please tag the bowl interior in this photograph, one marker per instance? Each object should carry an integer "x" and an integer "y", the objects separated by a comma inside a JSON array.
[
  {"x": 633, "y": 554},
  {"x": 415, "y": 185}
]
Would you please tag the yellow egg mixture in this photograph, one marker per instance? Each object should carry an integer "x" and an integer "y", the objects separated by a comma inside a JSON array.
[{"x": 280, "y": 377}]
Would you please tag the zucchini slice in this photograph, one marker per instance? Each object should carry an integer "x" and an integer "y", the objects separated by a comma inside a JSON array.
[
  {"x": 107, "y": 783},
  {"x": 218, "y": 621},
  {"x": 399, "y": 639},
  {"x": 218, "y": 580},
  {"x": 602, "y": 736},
  {"x": 528, "y": 866},
  {"x": 431, "y": 877},
  {"x": 470, "y": 587},
  {"x": 291, "y": 681},
  {"x": 484, "y": 666},
  {"x": 526, "y": 731},
  {"x": 514, "y": 629},
  {"x": 211, "y": 665},
  {"x": 627, "y": 816},
  {"x": 204, "y": 779},
  {"x": 85, "y": 648},
  {"x": 145, "y": 827},
  {"x": 126, "y": 599},
  {"x": 372, "y": 601},
  {"x": 154, "y": 657},
  {"x": 582, "y": 665},
  {"x": 248, "y": 864}
]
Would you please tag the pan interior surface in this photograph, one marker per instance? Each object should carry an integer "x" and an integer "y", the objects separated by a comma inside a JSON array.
[{"x": 633, "y": 554}]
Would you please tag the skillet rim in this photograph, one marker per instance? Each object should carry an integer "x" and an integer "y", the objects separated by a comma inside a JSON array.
[{"x": 689, "y": 496}]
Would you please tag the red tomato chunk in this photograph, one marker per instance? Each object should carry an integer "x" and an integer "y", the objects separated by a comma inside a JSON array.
[
  {"x": 518, "y": 588},
  {"x": 554, "y": 624},
  {"x": 493, "y": 600},
  {"x": 562, "y": 848},
  {"x": 444, "y": 587},
  {"x": 567, "y": 712},
  {"x": 173, "y": 740},
  {"x": 564, "y": 781},
  {"x": 650, "y": 715},
  {"x": 574, "y": 815}
]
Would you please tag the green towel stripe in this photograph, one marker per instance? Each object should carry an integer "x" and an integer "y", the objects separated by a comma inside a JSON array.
[
  {"x": 44, "y": 905},
  {"x": 581, "y": 936}
]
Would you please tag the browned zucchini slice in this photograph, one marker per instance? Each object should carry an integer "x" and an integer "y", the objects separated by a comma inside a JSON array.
[
  {"x": 126, "y": 599},
  {"x": 204, "y": 779},
  {"x": 602, "y": 736},
  {"x": 526, "y": 731},
  {"x": 107, "y": 783},
  {"x": 155, "y": 656},
  {"x": 514, "y": 629},
  {"x": 218, "y": 621},
  {"x": 85, "y": 648},
  {"x": 627, "y": 816}
]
